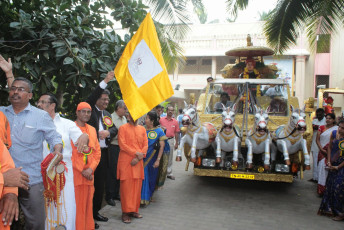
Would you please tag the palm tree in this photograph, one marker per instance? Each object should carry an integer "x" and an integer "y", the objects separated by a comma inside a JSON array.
[
  {"x": 172, "y": 18},
  {"x": 290, "y": 16}
]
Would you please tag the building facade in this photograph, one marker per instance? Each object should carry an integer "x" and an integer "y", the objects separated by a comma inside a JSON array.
[{"x": 206, "y": 44}]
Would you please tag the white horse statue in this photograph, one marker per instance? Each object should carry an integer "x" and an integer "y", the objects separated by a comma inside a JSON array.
[
  {"x": 289, "y": 138},
  {"x": 227, "y": 139},
  {"x": 198, "y": 136},
  {"x": 259, "y": 139}
]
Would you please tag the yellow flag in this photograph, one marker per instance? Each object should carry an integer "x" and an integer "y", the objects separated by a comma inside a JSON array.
[{"x": 141, "y": 71}]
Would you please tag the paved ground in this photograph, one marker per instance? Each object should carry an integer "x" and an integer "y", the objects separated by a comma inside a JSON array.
[{"x": 192, "y": 202}]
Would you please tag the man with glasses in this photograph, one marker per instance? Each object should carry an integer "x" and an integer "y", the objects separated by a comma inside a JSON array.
[
  {"x": 70, "y": 132},
  {"x": 84, "y": 166},
  {"x": 30, "y": 126},
  {"x": 101, "y": 121}
]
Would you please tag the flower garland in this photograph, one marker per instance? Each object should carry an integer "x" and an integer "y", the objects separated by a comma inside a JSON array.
[{"x": 246, "y": 75}]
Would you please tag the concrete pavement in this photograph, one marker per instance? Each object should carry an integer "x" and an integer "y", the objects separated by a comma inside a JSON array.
[{"x": 192, "y": 202}]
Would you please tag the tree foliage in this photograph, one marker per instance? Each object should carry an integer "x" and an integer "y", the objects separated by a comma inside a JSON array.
[
  {"x": 292, "y": 16},
  {"x": 62, "y": 46},
  {"x": 67, "y": 46}
]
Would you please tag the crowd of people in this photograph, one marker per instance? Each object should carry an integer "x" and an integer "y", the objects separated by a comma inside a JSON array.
[
  {"x": 328, "y": 163},
  {"x": 112, "y": 154},
  {"x": 98, "y": 153}
]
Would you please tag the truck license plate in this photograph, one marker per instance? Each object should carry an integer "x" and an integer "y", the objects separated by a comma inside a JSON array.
[{"x": 242, "y": 176}]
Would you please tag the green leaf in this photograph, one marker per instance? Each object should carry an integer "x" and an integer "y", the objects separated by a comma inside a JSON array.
[
  {"x": 58, "y": 44},
  {"x": 15, "y": 24},
  {"x": 68, "y": 61},
  {"x": 61, "y": 52},
  {"x": 83, "y": 83}
]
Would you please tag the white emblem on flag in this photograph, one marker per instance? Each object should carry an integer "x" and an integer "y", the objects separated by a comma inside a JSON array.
[{"x": 143, "y": 66}]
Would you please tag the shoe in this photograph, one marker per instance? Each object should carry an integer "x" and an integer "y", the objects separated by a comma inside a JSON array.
[
  {"x": 96, "y": 226},
  {"x": 135, "y": 215},
  {"x": 338, "y": 218},
  {"x": 99, "y": 217},
  {"x": 312, "y": 180},
  {"x": 111, "y": 202},
  {"x": 171, "y": 177},
  {"x": 126, "y": 218}
]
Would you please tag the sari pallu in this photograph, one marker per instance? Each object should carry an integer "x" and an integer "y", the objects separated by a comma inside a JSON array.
[
  {"x": 151, "y": 173},
  {"x": 332, "y": 203},
  {"x": 322, "y": 159},
  {"x": 163, "y": 166}
]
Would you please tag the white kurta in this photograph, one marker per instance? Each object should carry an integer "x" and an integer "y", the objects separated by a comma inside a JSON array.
[
  {"x": 314, "y": 147},
  {"x": 69, "y": 132}
]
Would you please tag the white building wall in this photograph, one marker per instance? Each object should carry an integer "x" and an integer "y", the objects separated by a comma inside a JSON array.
[{"x": 337, "y": 66}]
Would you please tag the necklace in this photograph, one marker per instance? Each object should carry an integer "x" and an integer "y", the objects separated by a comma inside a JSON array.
[
  {"x": 227, "y": 138},
  {"x": 259, "y": 139}
]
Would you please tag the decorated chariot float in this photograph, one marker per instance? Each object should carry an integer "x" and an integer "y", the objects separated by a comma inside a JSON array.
[{"x": 247, "y": 125}]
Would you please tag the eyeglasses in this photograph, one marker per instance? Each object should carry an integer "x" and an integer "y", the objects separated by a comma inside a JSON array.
[
  {"x": 19, "y": 89},
  {"x": 87, "y": 112},
  {"x": 104, "y": 99},
  {"x": 43, "y": 102}
]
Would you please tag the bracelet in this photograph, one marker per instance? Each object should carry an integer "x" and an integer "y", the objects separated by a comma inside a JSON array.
[{"x": 10, "y": 77}]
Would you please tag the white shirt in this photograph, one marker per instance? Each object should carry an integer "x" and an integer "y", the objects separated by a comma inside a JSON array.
[
  {"x": 118, "y": 122},
  {"x": 69, "y": 132},
  {"x": 102, "y": 143}
]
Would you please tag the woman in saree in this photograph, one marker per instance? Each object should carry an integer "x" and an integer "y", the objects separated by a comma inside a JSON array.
[
  {"x": 156, "y": 143},
  {"x": 163, "y": 166},
  {"x": 332, "y": 203},
  {"x": 322, "y": 140}
]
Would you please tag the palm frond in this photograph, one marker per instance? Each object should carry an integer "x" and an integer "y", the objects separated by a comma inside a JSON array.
[
  {"x": 171, "y": 12},
  {"x": 198, "y": 4},
  {"x": 200, "y": 10},
  {"x": 285, "y": 20},
  {"x": 234, "y": 5},
  {"x": 326, "y": 17},
  {"x": 291, "y": 16},
  {"x": 171, "y": 50}
]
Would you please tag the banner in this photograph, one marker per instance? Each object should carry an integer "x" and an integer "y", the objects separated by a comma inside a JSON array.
[{"x": 141, "y": 72}]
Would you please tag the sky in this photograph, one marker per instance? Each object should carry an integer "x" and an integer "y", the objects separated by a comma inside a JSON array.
[{"x": 217, "y": 10}]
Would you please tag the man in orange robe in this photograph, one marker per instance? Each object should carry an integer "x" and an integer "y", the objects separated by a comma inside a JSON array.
[
  {"x": 133, "y": 144},
  {"x": 10, "y": 179},
  {"x": 84, "y": 165}
]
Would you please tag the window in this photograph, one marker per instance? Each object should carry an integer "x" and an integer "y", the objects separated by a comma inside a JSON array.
[
  {"x": 321, "y": 80},
  {"x": 323, "y": 43},
  {"x": 206, "y": 61},
  {"x": 191, "y": 62}
]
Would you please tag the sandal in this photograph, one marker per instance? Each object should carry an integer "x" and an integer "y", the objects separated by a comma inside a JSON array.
[
  {"x": 136, "y": 215},
  {"x": 126, "y": 218},
  {"x": 338, "y": 218}
]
